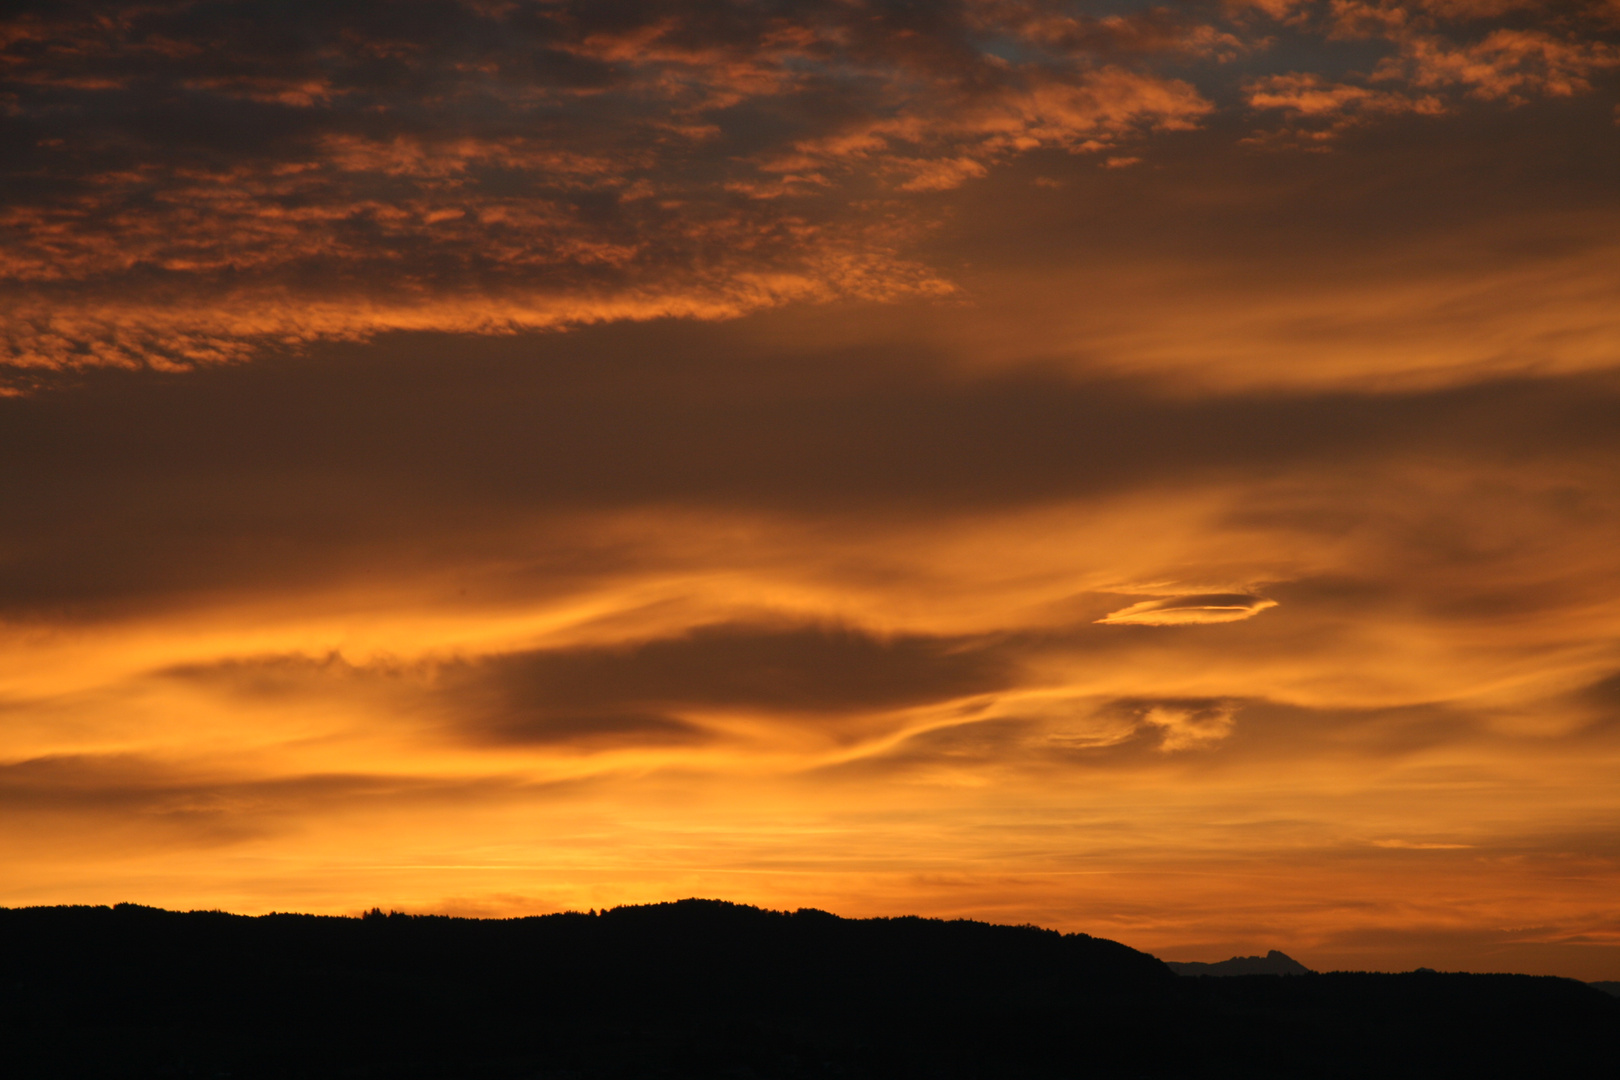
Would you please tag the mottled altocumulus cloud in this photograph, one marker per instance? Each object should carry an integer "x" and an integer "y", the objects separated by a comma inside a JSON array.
[{"x": 197, "y": 182}]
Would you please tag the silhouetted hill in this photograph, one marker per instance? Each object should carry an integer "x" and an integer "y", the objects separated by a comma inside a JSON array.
[
  {"x": 1273, "y": 963},
  {"x": 702, "y": 988},
  {"x": 1607, "y": 987}
]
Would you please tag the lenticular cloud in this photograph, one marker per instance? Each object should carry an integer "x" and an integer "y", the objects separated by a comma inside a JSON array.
[{"x": 1183, "y": 610}]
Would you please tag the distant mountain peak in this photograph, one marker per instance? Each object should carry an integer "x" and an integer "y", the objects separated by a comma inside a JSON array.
[{"x": 1273, "y": 963}]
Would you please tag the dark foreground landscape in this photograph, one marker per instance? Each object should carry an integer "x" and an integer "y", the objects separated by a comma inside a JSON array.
[{"x": 707, "y": 989}]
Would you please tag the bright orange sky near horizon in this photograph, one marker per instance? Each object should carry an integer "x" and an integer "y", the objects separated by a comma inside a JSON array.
[{"x": 1151, "y": 470}]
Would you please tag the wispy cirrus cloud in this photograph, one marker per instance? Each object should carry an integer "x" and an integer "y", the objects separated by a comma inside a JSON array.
[{"x": 1190, "y": 610}]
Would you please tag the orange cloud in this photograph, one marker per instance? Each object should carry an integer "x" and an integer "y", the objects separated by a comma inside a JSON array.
[
  {"x": 1194, "y": 609},
  {"x": 1510, "y": 65},
  {"x": 482, "y": 169},
  {"x": 924, "y": 512}
]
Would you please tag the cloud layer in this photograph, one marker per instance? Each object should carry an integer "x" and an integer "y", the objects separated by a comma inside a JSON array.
[
  {"x": 1149, "y": 471},
  {"x": 193, "y": 184}
]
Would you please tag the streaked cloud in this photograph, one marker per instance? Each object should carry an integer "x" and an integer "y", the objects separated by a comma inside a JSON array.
[{"x": 1192, "y": 609}]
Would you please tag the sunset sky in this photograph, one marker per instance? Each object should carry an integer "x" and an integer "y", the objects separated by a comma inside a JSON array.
[{"x": 1144, "y": 469}]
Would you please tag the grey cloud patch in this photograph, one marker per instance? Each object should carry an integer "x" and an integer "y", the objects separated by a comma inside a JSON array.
[
  {"x": 1182, "y": 723},
  {"x": 466, "y": 695},
  {"x": 637, "y": 692},
  {"x": 512, "y": 723},
  {"x": 1605, "y": 692},
  {"x": 140, "y": 800},
  {"x": 1600, "y": 700},
  {"x": 286, "y": 677},
  {"x": 640, "y": 693}
]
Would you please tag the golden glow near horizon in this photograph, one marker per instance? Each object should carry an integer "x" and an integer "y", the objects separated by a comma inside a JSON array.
[{"x": 1023, "y": 460}]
